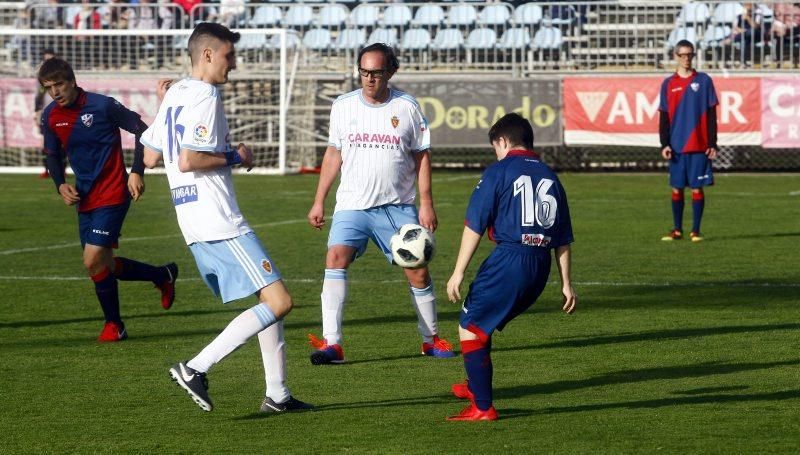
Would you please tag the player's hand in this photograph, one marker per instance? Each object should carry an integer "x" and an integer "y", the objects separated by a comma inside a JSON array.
[
  {"x": 161, "y": 88},
  {"x": 69, "y": 194},
  {"x": 316, "y": 216},
  {"x": 135, "y": 186},
  {"x": 246, "y": 155},
  {"x": 570, "y": 299},
  {"x": 453, "y": 285},
  {"x": 37, "y": 117},
  {"x": 711, "y": 153},
  {"x": 666, "y": 153},
  {"x": 427, "y": 217}
]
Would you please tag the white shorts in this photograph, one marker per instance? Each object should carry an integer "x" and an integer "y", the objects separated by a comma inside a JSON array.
[{"x": 235, "y": 268}]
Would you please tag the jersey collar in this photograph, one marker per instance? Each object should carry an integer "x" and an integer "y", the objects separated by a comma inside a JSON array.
[{"x": 523, "y": 152}]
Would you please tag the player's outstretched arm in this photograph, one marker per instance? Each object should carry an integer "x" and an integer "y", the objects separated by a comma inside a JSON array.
[
  {"x": 469, "y": 244},
  {"x": 331, "y": 164},
  {"x": 427, "y": 214},
  {"x": 564, "y": 261}
]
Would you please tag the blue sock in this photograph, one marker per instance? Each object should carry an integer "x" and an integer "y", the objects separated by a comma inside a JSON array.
[
  {"x": 129, "y": 270},
  {"x": 478, "y": 363},
  {"x": 105, "y": 286},
  {"x": 677, "y": 210},
  {"x": 698, "y": 204}
]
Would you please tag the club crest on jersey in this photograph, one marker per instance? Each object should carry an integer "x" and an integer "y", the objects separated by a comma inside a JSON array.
[
  {"x": 267, "y": 266},
  {"x": 395, "y": 121},
  {"x": 201, "y": 135},
  {"x": 695, "y": 86},
  {"x": 87, "y": 119}
]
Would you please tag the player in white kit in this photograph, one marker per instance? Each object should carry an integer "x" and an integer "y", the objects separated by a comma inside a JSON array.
[
  {"x": 190, "y": 133},
  {"x": 380, "y": 142}
]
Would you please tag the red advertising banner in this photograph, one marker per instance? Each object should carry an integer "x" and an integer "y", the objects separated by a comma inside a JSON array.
[
  {"x": 780, "y": 104},
  {"x": 624, "y": 111},
  {"x": 19, "y": 128}
]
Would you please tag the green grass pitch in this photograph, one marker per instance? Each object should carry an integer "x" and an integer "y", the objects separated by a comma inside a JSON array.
[{"x": 675, "y": 347}]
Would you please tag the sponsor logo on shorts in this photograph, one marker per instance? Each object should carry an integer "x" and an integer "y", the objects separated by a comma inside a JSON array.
[
  {"x": 536, "y": 240},
  {"x": 184, "y": 194},
  {"x": 267, "y": 266},
  {"x": 100, "y": 231}
]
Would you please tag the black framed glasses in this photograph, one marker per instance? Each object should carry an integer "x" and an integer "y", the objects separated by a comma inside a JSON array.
[
  {"x": 686, "y": 55},
  {"x": 377, "y": 74}
]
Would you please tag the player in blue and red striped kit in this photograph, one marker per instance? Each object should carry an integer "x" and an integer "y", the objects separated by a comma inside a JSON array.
[
  {"x": 522, "y": 204},
  {"x": 688, "y": 133},
  {"x": 85, "y": 126}
]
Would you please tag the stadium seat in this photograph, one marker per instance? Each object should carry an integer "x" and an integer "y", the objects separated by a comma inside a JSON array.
[
  {"x": 495, "y": 14},
  {"x": 547, "y": 38},
  {"x": 251, "y": 41},
  {"x": 515, "y": 38},
  {"x": 317, "y": 39},
  {"x": 365, "y": 15},
  {"x": 481, "y": 38},
  {"x": 693, "y": 13},
  {"x": 462, "y": 15},
  {"x": 332, "y": 15},
  {"x": 416, "y": 39},
  {"x": 448, "y": 39},
  {"x": 680, "y": 33},
  {"x": 397, "y": 15},
  {"x": 351, "y": 39},
  {"x": 560, "y": 14},
  {"x": 428, "y": 16},
  {"x": 528, "y": 14},
  {"x": 298, "y": 15},
  {"x": 266, "y": 16},
  {"x": 726, "y": 13},
  {"x": 383, "y": 35},
  {"x": 714, "y": 35},
  {"x": 292, "y": 41}
]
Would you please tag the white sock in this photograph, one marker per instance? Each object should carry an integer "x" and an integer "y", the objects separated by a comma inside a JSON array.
[
  {"x": 273, "y": 352},
  {"x": 238, "y": 331},
  {"x": 424, "y": 302},
  {"x": 334, "y": 292}
]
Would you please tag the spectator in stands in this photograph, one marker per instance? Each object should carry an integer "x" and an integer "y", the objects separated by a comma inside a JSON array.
[
  {"x": 787, "y": 20},
  {"x": 87, "y": 19},
  {"x": 38, "y": 105},
  {"x": 47, "y": 17},
  {"x": 748, "y": 29},
  {"x": 231, "y": 12},
  {"x": 144, "y": 16}
]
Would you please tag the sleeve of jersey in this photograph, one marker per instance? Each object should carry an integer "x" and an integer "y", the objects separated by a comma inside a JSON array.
[
  {"x": 200, "y": 129},
  {"x": 51, "y": 142},
  {"x": 123, "y": 117},
  {"x": 563, "y": 233},
  {"x": 153, "y": 136},
  {"x": 334, "y": 139},
  {"x": 422, "y": 134},
  {"x": 481, "y": 208},
  {"x": 712, "y": 94},
  {"x": 662, "y": 103}
]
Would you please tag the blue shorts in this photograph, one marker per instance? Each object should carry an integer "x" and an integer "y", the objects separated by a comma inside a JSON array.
[
  {"x": 508, "y": 282},
  {"x": 235, "y": 268},
  {"x": 356, "y": 227},
  {"x": 102, "y": 226},
  {"x": 690, "y": 169}
]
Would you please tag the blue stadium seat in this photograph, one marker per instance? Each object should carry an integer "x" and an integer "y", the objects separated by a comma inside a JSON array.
[
  {"x": 515, "y": 38},
  {"x": 693, "y": 13},
  {"x": 397, "y": 15},
  {"x": 351, "y": 38},
  {"x": 252, "y": 41},
  {"x": 332, "y": 15},
  {"x": 428, "y": 16},
  {"x": 383, "y": 35},
  {"x": 462, "y": 15},
  {"x": 266, "y": 16},
  {"x": 680, "y": 33},
  {"x": 448, "y": 39},
  {"x": 298, "y": 16},
  {"x": 365, "y": 15},
  {"x": 547, "y": 37},
  {"x": 726, "y": 13},
  {"x": 317, "y": 39},
  {"x": 495, "y": 14},
  {"x": 528, "y": 14},
  {"x": 416, "y": 39},
  {"x": 481, "y": 38}
]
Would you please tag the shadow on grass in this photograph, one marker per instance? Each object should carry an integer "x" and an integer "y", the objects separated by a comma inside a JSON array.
[
  {"x": 639, "y": 375},
  {"x": 387, "y": 403}
]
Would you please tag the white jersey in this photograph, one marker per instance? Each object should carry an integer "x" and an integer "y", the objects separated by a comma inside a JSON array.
[
  {"x": 377, "y": 142},
  {"x": 191, "y": 117}
]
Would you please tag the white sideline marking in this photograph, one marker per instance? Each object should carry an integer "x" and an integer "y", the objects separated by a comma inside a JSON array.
[
  {"x": 586, "y": 283},
  {"x": 130, "y": 239},
  {"x": 794, "y": 193}
]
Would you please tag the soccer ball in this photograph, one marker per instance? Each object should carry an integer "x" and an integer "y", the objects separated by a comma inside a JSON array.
[{"x": 412, "y": 246}]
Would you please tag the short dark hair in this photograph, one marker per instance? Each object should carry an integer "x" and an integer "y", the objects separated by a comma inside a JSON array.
[
  {"x": 55, "y": 69},
  {"x": 205, "y": 30},
  {"x": 684, "y": 43},
  {"x": 392, "y": 63},
  {"x": 514, "y": 128}
]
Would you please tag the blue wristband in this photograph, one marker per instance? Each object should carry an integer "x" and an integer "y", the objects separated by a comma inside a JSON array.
[{"x": 232, "y": 158}]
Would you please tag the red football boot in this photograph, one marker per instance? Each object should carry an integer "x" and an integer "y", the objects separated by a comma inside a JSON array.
[
  {"x": 112, "y": 332},
  {"x": 461, "y": 390},
  {"x": 472, "y": 412}
]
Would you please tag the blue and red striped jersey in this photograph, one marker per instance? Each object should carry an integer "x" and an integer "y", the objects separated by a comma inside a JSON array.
[
  {"x": 686, "y": 101},
  {"x": 87, "y": 131},
  {"x": 520, "y": 200}
]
